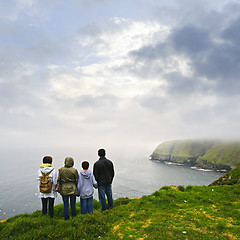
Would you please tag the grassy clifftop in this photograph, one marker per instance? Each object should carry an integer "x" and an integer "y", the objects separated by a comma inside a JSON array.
[
  {"x": 224, "y": 153},
  {"x": 214, "y": 152},
  {"x": 233, "y": 177},
  {"x": 184, "y": 148},
  {"x": 194, "y": 212}
]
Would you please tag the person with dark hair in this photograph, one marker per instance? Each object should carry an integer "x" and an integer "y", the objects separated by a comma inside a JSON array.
[
  {"x": 46, "y": 192},
  {"x": 68, "y": 179},
  {"x": 103, "y": 170},
  {"x": 86, "y": 182}
]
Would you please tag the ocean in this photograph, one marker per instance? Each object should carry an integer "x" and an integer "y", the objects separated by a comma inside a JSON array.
[{"x": 135, "y": 176}]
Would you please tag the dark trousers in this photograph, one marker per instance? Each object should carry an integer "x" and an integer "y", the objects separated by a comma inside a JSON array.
[{"x": 47, "y": 204}]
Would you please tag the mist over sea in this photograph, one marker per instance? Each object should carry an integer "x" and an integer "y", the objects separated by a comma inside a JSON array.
[{"x": 135, "y": 176}]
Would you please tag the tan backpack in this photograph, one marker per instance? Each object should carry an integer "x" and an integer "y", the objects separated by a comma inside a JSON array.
[{"x": 45, "y": 185}]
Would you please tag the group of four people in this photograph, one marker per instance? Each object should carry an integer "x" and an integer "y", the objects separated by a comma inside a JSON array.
[{"x": 73, "y": 184}]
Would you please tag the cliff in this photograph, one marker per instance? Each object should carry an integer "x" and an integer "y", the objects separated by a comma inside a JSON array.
[
  {"x": 206, "y": 154},
  {"x": 230, "y": 178},
  {"x": 173, "y": 212}
]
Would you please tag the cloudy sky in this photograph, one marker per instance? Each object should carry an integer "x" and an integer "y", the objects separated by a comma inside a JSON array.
[{"x": 109, "y": 73}]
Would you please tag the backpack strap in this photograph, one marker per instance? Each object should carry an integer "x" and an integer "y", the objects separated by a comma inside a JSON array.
[{"x": 49, "y": 172}]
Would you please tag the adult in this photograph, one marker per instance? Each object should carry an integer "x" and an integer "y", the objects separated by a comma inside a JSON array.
[
  {"x": 46, "y": 169},
  {"x": 103, "y": 171},
  {"x": 68, "y": 179}
]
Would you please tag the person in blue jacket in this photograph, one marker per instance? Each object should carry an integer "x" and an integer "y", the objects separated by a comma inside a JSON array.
[{"x": 86, "y": 182}]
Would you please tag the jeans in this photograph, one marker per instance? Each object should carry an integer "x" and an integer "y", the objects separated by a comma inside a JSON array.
[
  {"x": 102, "y": 191},
  {"x": 66, "y": 206},
  {"x": 47, "y": 203},
  {"x": 86, "y": 205}
]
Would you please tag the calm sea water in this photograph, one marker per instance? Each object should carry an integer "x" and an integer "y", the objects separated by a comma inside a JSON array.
[{"x": 135, "y": 176}]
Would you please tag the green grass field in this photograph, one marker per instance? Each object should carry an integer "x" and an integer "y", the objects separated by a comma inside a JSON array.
[{"x": 194, "y": 212}]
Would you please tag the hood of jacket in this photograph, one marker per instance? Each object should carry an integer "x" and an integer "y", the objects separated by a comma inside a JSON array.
[
  {"x": 46, "y": 169},
  {"x": 85, "y": 174},
  {"x": 69, "y": 162}
]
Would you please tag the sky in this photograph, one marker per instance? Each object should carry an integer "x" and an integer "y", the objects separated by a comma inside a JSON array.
[{"x": 122, "y": 75}]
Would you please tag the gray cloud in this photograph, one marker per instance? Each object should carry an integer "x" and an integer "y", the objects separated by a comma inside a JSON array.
[
  {"x": 212, "y": 52},
  {"x": 191, "y": 40},
  {"x": 60, "y": 83}
]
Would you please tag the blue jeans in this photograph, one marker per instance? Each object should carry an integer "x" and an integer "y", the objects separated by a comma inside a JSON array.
[
  {"x": 102, "y": 191},
  {"x": 66, "y": 206},
  {"x": 86, "y": 205}
]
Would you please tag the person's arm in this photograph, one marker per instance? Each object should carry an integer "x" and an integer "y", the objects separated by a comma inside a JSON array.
[
  {"x": 95, "y": 184},
  {"x": 38, "y": 179},
  {"x": 55, "y": 176},
  {"x": 113, "y": 173},
  {"x": 79, "y": 185},
  {"x": 76, "y": 176},
  {"x": 95, "y": 172}
]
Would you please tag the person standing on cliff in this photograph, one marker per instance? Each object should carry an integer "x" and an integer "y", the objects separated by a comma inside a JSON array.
[
  {"x": 103, "y": 171},
  {"x": 68, "y": 179},
  {"x": 47, "y": 197}
]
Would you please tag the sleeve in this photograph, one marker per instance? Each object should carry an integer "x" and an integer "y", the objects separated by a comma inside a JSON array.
[
  {"x": 38, "y": 177},
  {"x": 76, "y": 176},
  {"x": 55, "y": 176},
  {"x": 95, "y": 184},
  {"x": 112, "y": 170},
  {"x": 95, "y": 172},
  {"x": 79, "y": 184}
]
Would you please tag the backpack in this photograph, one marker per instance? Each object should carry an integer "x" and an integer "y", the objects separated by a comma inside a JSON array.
[{"x": 45, "y": 185}]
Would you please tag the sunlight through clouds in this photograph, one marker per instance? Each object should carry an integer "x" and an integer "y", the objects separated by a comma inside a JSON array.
[{"x": 150, "y": 70}]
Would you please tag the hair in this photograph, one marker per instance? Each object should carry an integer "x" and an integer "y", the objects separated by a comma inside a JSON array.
[
  {"x": 101, "y": 152},
  {"x": 47, "y": 159},
  {"x": 85, "y": 165}
]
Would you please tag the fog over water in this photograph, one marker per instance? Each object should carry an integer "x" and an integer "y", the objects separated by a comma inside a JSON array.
[{"x": 135, "y": 176}]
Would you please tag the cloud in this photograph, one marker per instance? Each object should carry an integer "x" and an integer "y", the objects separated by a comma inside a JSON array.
[{"x": 154, "y": 72}]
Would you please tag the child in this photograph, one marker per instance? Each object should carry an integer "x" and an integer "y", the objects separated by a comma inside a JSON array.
[{"x": 86, "y": 182}]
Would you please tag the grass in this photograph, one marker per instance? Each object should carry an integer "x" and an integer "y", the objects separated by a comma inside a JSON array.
[
  {"x": 228, "y": 153},
  {"x": 194, "y": 212},
  {"x": 184, "y": 148},
  {"x": 229, "y": 178}
]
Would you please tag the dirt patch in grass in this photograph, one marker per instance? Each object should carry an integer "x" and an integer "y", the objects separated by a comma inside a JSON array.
[{"x": 148, "y": 222}]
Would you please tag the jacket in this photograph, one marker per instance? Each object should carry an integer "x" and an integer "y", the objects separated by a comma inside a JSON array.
[
  {"x": 68, "y": 178},
  {"x": 86, "y": 182},
  {"x": 103, "y": 171},
  {"x": 53, "y": 177}
]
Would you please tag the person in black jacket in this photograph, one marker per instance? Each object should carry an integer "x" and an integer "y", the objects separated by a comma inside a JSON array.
[{"x": 103, "y": 171}]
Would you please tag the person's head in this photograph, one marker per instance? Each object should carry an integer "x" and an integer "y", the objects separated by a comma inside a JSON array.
[
  {"x": 85, "y": 165},
  {"x": 47, "y": 159},
  {"x": 101, "y": 152},
  {"x": 69, "y": 162}
]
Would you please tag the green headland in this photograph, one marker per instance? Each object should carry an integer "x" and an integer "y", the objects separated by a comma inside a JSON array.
[{"x": 215, "y": 155}]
